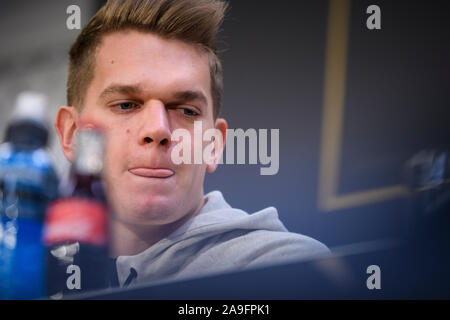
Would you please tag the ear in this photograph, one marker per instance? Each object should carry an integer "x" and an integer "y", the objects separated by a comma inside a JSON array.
[
  {"x": 221, "y": 125},
  {"x": 66, "y": 126}
]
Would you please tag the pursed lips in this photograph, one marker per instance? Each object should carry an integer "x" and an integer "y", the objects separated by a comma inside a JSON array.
[{"x": 160, "y": 173}]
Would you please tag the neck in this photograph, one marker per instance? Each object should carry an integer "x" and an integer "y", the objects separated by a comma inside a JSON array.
[{"x": 131, "y": 239}]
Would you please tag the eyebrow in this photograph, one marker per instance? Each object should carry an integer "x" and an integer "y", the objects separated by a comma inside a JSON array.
[
  {"x": 189, "y": 95},
  {"x": 135, "y": 90},
  {"x": 129, "y": 90}
]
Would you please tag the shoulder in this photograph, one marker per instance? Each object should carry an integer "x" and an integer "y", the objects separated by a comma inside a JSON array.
[
  {"x": 260, "y": 247},
  {"x": 242, "y": 249},
  {"x": 274, "y": 247}
]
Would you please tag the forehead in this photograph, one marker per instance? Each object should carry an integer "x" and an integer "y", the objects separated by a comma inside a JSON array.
[{"x": 154, "y": 63}]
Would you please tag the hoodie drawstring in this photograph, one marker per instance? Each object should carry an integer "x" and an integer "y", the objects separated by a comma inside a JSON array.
[{"x": 133, "y": 275}]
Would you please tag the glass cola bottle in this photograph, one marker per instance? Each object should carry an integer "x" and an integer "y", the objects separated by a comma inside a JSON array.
[{"x": 76, "y": 225}]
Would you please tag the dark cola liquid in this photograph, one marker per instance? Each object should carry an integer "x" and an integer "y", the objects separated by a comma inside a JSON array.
[
  {"x": 87, "y": 187},
  {"x": 76, "y": 236}
]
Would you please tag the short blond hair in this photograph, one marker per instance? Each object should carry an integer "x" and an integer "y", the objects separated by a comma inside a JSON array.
[{"x": 194, "y": 21}]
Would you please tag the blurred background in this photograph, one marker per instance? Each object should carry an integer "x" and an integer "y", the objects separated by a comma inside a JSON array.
[{"x": 344, "y": 175}]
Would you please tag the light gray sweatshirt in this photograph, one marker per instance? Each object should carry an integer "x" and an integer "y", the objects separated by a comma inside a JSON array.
[{"x": 219, "y": 239}]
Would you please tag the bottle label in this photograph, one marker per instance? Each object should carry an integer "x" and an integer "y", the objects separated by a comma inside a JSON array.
[{"x": 76, "y": 220}]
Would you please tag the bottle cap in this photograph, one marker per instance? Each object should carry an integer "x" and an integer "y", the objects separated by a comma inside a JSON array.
[
  {"x": 31, "y": 106},
  {"x": 28, "y": 127}
]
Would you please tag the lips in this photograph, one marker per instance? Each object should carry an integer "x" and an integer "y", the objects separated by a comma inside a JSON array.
[{"x": 152, "y": 172}]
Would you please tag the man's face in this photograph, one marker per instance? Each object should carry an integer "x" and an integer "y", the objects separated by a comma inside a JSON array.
[{"x": 144, "y": 88}]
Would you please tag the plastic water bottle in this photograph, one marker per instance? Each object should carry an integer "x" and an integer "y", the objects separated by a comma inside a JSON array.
[{"x": 28, "y": 183}]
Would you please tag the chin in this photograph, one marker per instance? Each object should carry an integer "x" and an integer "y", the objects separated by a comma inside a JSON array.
[{"x": 157, "y": 210}]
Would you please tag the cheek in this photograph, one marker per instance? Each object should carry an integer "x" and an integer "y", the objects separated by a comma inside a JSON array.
[
  {"x": 118, "y": 137},
  {"x": 197, "y": 148},
  {"x": 116, "y": 149},
  {"x": 194, "y": 176}
]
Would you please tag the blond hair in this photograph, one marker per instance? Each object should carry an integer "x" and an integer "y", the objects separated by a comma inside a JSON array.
[{"x": 193, "y": 21}]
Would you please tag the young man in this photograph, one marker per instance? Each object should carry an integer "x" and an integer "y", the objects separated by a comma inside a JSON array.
[{"x": 142, "y": 69}]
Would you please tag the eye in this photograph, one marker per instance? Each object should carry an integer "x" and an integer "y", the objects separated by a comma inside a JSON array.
[
  {"x": 124, "y": 107},
  {"x": 189, "y": 112}
]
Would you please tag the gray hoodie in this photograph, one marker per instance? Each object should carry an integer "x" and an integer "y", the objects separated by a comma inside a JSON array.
[{"x": 219, "y": 239}]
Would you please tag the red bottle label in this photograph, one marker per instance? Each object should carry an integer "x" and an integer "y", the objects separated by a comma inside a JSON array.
[{"x": 76, "y": 220}]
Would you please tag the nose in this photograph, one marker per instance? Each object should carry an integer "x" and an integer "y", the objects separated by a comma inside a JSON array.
[{"x": 154, "y": 124}]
